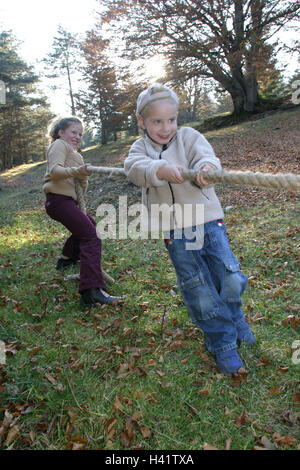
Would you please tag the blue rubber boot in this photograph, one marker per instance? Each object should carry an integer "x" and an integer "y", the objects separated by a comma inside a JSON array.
[
  {"x": 245, "y": 334},
  {"x": 229, "y": 362}
]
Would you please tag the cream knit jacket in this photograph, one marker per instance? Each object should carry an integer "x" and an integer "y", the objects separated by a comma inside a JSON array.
[
  {"x": 63, "y": 164},
  {"x": 188, "y": 149}
]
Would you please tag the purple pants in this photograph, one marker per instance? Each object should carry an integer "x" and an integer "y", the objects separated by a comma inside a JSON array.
[{"x": 83, "y": 244}]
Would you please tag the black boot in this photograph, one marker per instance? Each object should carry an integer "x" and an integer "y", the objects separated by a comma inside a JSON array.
[
  {"x": 63, "y": 263},
  {"x": 93, "y": 296}
]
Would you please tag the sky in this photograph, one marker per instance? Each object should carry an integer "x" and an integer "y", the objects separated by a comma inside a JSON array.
[{"x": 35, "y": 23}]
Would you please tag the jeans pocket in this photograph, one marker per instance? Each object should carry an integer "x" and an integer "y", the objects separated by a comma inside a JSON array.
[
  {"x": 235, "y": 282},
  {"x": 198, "y": 299}
]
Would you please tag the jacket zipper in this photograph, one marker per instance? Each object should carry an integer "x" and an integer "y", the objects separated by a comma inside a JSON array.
[{"x": 171, "y": 189}]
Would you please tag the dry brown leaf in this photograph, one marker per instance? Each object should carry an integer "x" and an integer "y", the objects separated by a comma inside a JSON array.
[
  {"x": 241, "y": 420},
  {"x": 50, "y": 378},
  {"x": 109, "y": 427},
  {"x": 275, "y": 390},
  {"x": 32, "y": 436},
  {"x": 146, "y": 432},
  {"x": 282, "y": 369},
  {"x": 12, "y": 434},
  {"x": 78, "y": 439},
  {"x": 137, "y": 416},
  {"x": 176, "y": 345},
  {"x": 125, "y": 439},
  {"x": 267, "y": 444},
  {"x": 284, "y": 441},
  {"x": 78, "y": 446},
  {"x": 34, "y": 350},
  {"x": 209, "y": 447},
  {"x": 204, "y": 391},
  {"x": 263, "y": 361},
  {"x": 117, "y": 405},
  {"x": 296, "y": 397},
  {"x": 228, "y": 443}
]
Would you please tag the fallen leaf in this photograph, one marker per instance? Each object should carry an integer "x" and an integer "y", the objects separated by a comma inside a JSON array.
[
  {"x": 209, "y": 447},
  {"x": 78, "y": 439},
  {"x": 296, "y": 397},
  {"x": 12, "y": 434},
  {"x": 50, "y": 378},
  {"x": 204, "y": 391},
  {"x": 176, "y": 345},
  {"x": 267, "y": 444},
  {"x": 109, "y": 427},
  {"x": 228, "y": 444},
  {"x": 282, "y": 369},
  {"x": 263, "y": 361},
  {"x": 125, "y": 439},
  {"x": 10, "y": 348},
  {"x": 241, "y": 420},
  {"x": 146, "y": 432},
  {"x": 34, "y": 350},
  {"x": 284, "y": 441},
  {"x": 32, "y": 436},
  {"x": 117, "y": 406},
  {"x": 78, "y": 446},
  {"x": 275, "y": 390}
]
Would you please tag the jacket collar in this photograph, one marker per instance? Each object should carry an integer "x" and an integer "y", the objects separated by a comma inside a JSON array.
[{"x": 156, "y": 145}]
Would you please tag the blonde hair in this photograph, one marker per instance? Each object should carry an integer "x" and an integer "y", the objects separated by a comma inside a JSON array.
[{"x": 61, "y": 124}]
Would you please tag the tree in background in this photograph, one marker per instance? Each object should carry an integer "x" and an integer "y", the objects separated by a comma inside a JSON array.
[
  {"x": 196, "y": 100},
  {"x": 129, "y": 90},
  {"x": 63, "y": 60},
  {"x": 99, "y": 101},
  {"x": 270, "y": 80},
  {"x": 217, "y": 39},
  {"x": 25, "y": 113}
]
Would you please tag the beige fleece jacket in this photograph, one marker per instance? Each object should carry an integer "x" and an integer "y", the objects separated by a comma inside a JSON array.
[
  {"x": 188, "y": 204},
  {"x": 62, "y": 167}
]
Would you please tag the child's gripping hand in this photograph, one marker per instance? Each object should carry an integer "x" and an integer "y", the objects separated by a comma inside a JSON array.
[
  {"x": 170, "y": 173},
  {"x": 200, "y": 179},
  {"x": 83, "y": 170}
]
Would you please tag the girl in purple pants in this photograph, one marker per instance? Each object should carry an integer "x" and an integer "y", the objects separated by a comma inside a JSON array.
[{"x": 64, "y": 164}]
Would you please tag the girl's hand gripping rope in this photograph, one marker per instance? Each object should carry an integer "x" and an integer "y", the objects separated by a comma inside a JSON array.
[{"x": 200, "y": 179}]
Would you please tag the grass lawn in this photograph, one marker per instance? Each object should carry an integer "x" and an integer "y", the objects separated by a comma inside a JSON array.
[{"x": 137, "y": 375}]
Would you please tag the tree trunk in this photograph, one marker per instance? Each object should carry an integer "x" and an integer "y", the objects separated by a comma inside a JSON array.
[
  {"x": 71, "y": 92},
  {"x": 103, "y": 137},
  {"x": 243, "y": 91}
]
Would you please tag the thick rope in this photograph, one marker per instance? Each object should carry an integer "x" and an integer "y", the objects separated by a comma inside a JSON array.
[{"x": 287, "y": 181}]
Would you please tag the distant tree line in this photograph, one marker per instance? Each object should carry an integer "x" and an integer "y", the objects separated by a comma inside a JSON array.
[
  {"x": 218, "y": 54},
  {"x": 24, "y": 111}
]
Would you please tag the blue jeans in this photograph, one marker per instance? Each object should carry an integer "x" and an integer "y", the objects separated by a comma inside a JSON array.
[{"x": 211, "y": 284}]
